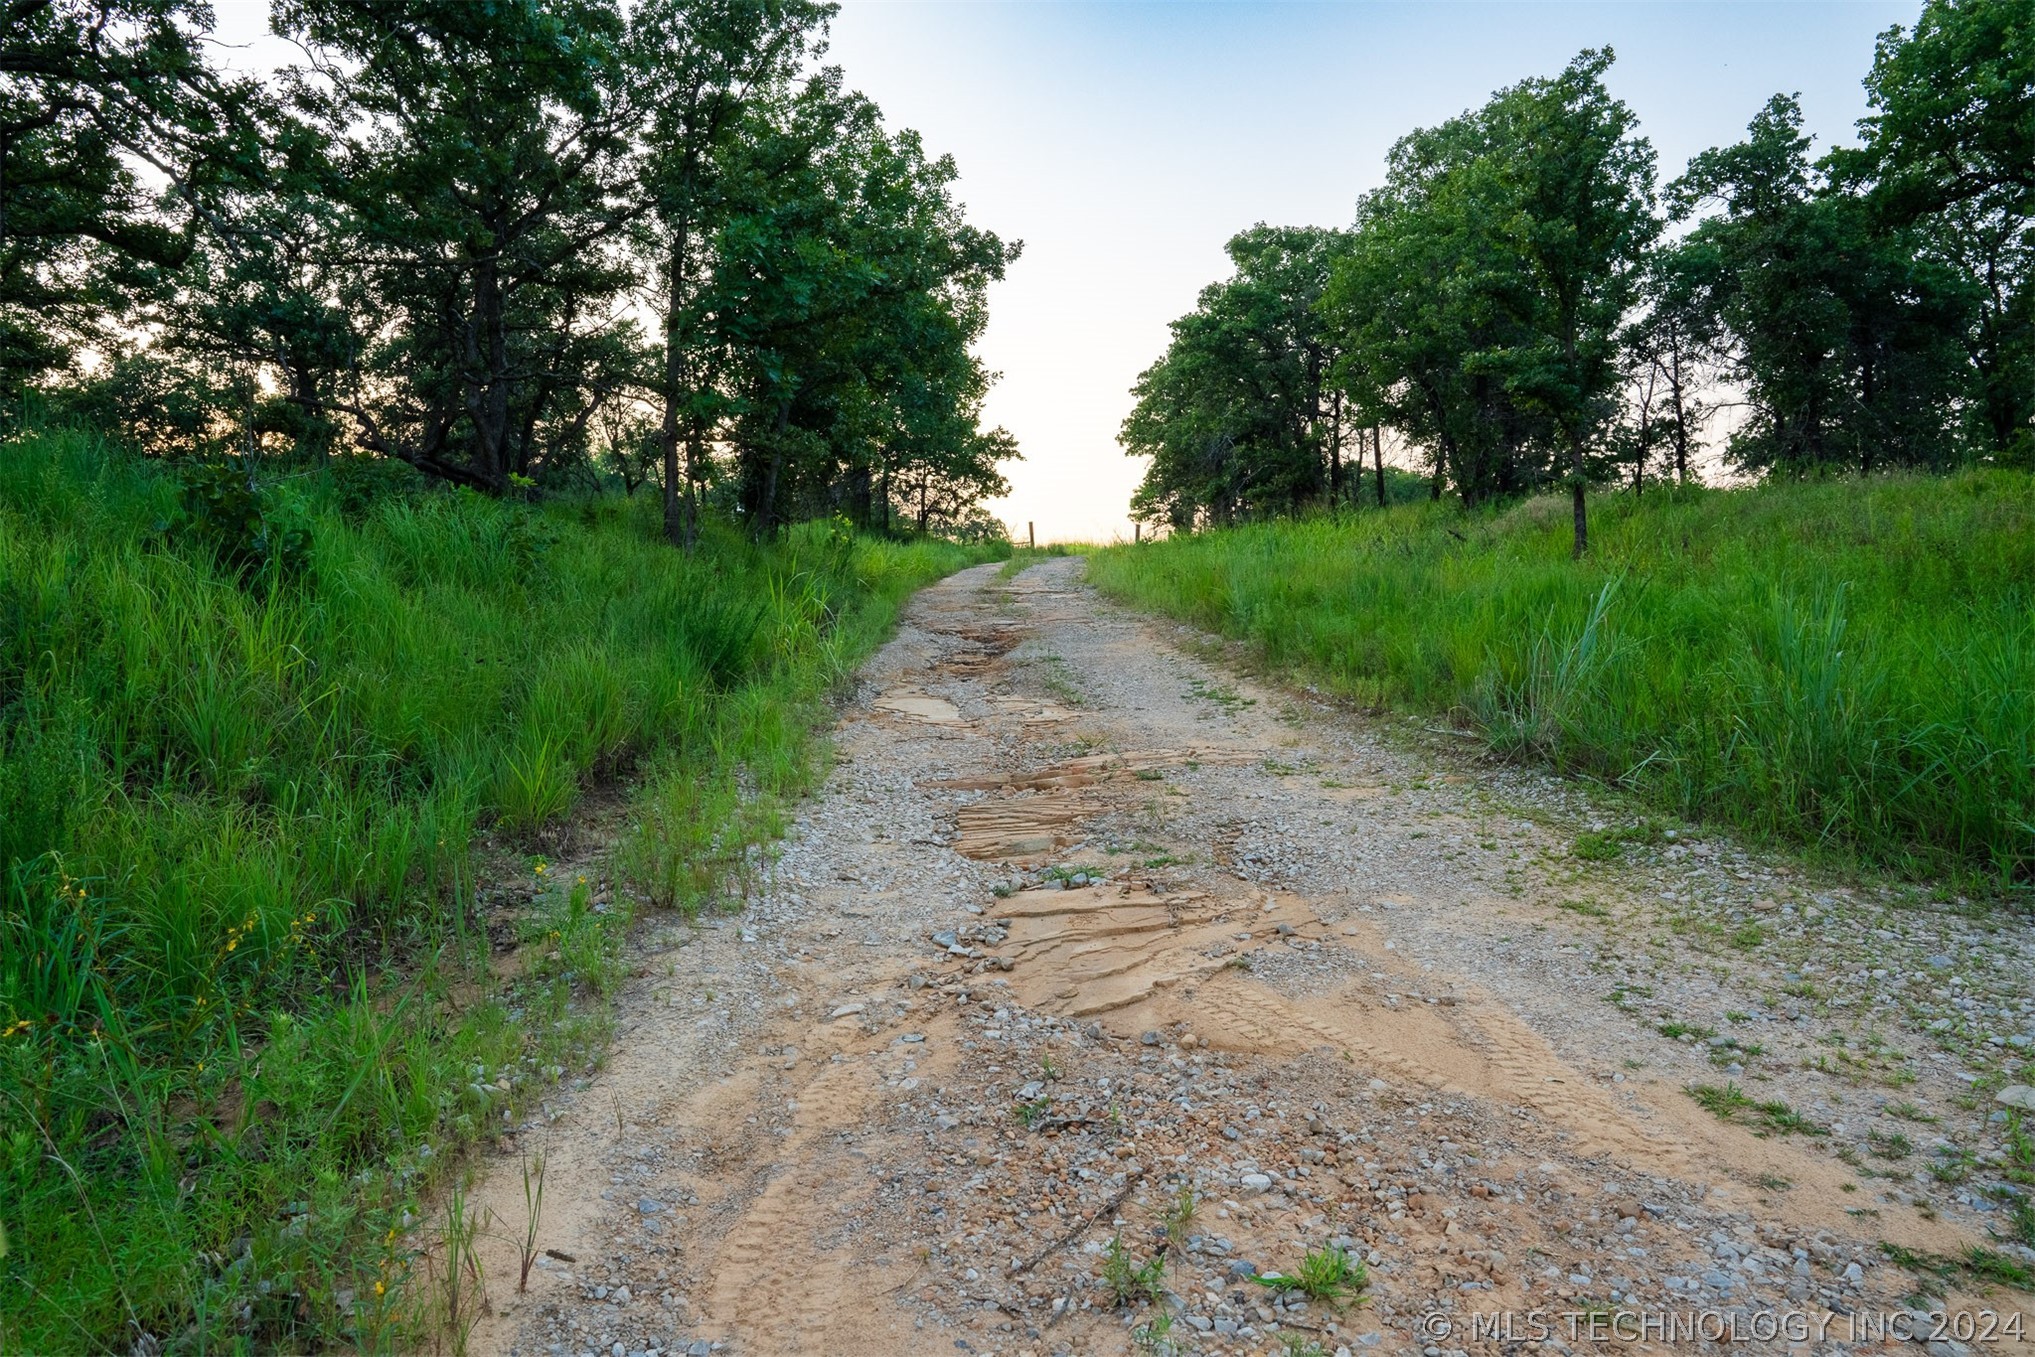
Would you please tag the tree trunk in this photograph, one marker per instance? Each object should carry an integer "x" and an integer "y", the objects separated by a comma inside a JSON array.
[
  {"x": 487, "y": 394},
  {"x": 681, "y": 526},
  {"x": 1378, "y": 461},
  {"x": 1639, "y": 462},
  {"x": 1335, "y": 451},
  {"x": 766, "y": 508},
  {"x": 860, "y": 495},
  {"x": 1577, "y": 503}
]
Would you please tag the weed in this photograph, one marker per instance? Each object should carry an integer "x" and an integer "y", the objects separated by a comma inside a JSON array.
[
  {"x": 1129, "y": 1282},
  {"x": 1179, "y": 1217},
  {"x": 1221, "y": 694},
  {"x": 1598, "y": 846},
  {"x": 1935, "y": 1270},
  {"x": 1326, "y": 1274},
  {"x": 461, "y": 1289},
  {"x": 1728, "y": 1101},
  {"x": 2020, "y": 1215},
  {"x": 1773, "y": 1182},
  {"x": 1725, "y": 1102},
  {"x": 1024, "y": 558},
  {"x": 1993, "y": 1266},
  {"x": 1889, "y": 1144},
  {"x": 1032, "y": 1113},
  {"x": 2020, "y": 1150},
  {"x": 533, "y": 1213},
  {"x": 1585, "y": 908},
  {"x": 1786, "y": 1120},
  {"x": 1154, "y": 1336}
]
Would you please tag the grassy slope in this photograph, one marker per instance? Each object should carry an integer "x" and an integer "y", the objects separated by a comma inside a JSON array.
[
  {"x": 238, "y": 952},
  {"x": 1849, "y": 663}
]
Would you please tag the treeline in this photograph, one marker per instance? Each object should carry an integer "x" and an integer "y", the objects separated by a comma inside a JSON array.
[
  {"x": 528, "y": 243},
  {"x": 1523, "y": 307}
]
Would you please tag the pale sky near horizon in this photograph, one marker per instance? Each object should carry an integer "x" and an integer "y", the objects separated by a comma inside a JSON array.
[{"x": 1125, "y": 142}]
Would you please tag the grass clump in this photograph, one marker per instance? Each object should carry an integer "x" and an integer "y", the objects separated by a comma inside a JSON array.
[
  {"x": 1728, "y": 1101},
  {"x": 266, "y": 767},
  {"x": 1326, "y": 1274},
  {"x": 1129, "y": 1282},
  {"x": 1605, "y": 845},
  {"x": 1838, "y": 663},
  {"x": 1937, "y": 1271}
]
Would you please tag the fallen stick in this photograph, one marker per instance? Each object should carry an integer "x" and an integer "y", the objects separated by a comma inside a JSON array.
[{"x": 1107, "y": 1208}]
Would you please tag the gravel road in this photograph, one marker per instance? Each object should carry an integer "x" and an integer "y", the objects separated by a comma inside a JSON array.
[{"x": 1101, "y": 986}]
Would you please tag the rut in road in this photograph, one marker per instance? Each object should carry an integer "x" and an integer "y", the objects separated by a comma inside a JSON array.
[{"x": 1085, "y": 936}]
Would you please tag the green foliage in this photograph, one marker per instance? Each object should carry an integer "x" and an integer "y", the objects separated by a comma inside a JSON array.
[
  {"x": 93, "y": 89},
  {"x": 1602, "y": 845},
  {"x": 1237, "y": 417},
  {"x": 1847, "y": 334},
  {"x": 1836, "y": 663},
  {"x": 431, "y": 240},
  {"x": 1476, "y": 307},
  {"x": 222, "y": 513},
  {"x": 1729, "y": 1101},
  {"x": 1327, "y": 1274},
  {"x": 1502, "y": 305},
  {"x": 246, "y": 1013},
  {"x": 1030, "y": 1114},
  {"x": 1128, "y": 1281},
  {"x": 1973, "y": 1264},
  {"x": 1947, "y": 152}
]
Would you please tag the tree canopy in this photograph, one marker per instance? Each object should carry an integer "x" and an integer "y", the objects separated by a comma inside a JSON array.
[
  {"x": 536, "y": 243},
  {"x": 1524, "y": 307}
]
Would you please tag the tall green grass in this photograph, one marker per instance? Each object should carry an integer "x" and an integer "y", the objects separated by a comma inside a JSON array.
[
  {"x": 1847, "y": 663},
  {"x": 246, "y": 1014}
]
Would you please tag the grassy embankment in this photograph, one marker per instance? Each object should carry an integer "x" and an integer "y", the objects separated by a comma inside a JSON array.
[
  {"x": 1849, "y": 664},
  {"x": 246, "y": 1014}
]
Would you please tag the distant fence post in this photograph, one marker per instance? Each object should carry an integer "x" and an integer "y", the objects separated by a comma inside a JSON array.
[
  {"x": 1137, "y": 532},
  {"x": 1031, "y": 538}
]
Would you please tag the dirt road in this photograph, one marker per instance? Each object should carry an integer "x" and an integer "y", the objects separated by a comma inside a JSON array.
[{"x": 1095, "y": 964}]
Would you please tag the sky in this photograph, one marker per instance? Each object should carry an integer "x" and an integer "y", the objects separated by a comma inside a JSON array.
[{"x": 1123, "y": 143}]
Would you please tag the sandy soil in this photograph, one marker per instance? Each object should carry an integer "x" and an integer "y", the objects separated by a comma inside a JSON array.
[{"x": 1095, "y": 960}]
